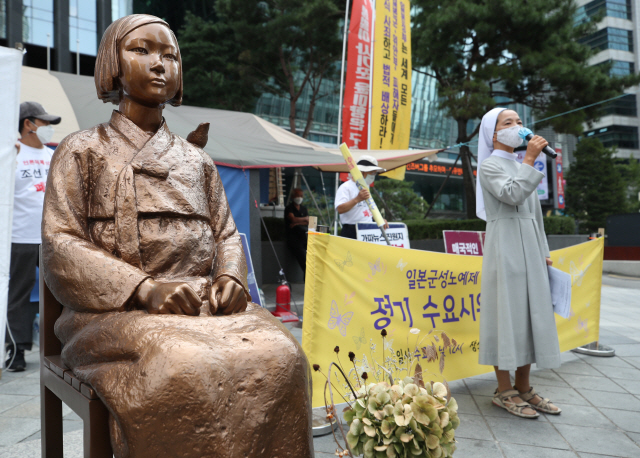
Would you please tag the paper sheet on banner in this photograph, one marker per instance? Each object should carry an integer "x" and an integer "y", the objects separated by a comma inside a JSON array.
[
  {"x": 354, "y": 290},
  {"x": 560, "y": 285}
]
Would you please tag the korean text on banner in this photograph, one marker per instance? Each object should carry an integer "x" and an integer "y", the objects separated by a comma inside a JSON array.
[
  {"x": 10, "y": 73},
  {"x": 355, "y": 112},
  {"x": 560, "y": 179},
  {"x": 391, "y": 76},
  {"x": 354, "y": 290}
]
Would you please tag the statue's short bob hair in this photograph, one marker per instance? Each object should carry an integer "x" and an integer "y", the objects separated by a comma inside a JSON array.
[{"x": 107, "y": 71}]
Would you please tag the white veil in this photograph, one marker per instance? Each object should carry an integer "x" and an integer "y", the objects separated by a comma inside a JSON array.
[{"x": 485, "y": 148}]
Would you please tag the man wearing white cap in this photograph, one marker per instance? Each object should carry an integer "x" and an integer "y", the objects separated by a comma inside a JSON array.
[
  {"x": 350, "y": 201},
  {"x": 32, "y": 167}
]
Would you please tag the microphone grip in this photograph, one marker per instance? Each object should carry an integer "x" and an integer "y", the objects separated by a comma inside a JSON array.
[{"x": 546, "y": 150}]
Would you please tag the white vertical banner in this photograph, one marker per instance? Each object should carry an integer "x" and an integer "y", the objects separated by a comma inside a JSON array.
[
  {"x": 10, "y": 73},
  {"x": 541, "y": 166}
]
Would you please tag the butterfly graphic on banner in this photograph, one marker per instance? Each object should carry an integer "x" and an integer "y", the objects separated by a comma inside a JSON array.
[
  {"x": 347, "y": 262},
  {"x": 576, "y": 273},
  {"x": 582, "y": 325},
  {"x": 359, "y": 340},
  {"x": 340, "y": 320},
  {"x": 401, "y": 265},
  {"x": 376, "y": 267}
]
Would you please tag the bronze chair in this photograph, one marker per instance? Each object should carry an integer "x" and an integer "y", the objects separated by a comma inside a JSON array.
[{"x": 58, "y": 385}]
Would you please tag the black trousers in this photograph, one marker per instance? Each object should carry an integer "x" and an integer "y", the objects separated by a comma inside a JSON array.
[
  {"x": 21, "y": 311},
  {"x": 349, "y": 231},
  {"x": 298, "y": 247}
]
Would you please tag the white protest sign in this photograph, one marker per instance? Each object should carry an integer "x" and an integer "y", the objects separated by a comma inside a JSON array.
[{"x": 397, "y": 233}]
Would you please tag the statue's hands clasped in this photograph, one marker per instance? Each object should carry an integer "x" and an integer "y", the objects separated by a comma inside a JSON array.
[
  {"x": 167, "y": 298},
  {"x": 227, "y": 296}
]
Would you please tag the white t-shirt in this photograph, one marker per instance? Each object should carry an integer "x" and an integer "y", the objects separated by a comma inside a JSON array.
[
  {"x": 31, "y": 179},
  {"x": 360, "y": 213}
]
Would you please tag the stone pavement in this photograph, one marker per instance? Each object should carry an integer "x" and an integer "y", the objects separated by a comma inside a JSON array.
[{"x": 600, "y": 398}]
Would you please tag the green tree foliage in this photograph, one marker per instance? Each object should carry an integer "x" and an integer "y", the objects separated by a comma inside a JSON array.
[
  {"x": 519, "y": 51},
  {"x": 212, "y": 74},
  {"x": 595, "y": 188},
  {"x": 630, "y": 172},
  {"x": 287, "y": 46},
  {"x": 399, "y": 198},
  {"x": 174, "y": 12}
]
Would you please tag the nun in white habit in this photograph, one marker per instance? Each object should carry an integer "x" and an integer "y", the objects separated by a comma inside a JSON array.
[{"x": 517, "y": 325}]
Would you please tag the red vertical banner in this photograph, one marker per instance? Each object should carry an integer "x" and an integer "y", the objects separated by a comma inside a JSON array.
[
  {"x": 560, "y": 179},
  {"x": 355, "y": 108}
]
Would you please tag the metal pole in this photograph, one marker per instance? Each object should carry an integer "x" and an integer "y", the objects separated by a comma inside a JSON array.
[
  {"x": 339, "y": 131},
  {"x": 312, "y": 198},
  {"x": 49, "y": 52},
  {"x": 77, "y": 57},
  {"x": 335, "y": 221},
  {"x": 344, "y": 56},
  {"x": 441, "y": 188}
]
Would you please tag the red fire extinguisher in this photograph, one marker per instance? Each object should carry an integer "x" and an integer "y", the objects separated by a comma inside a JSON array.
[{"x": 283, "y": 298}]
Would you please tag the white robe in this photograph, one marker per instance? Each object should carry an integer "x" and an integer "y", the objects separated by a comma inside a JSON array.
[{"x": 517, "y": 324}]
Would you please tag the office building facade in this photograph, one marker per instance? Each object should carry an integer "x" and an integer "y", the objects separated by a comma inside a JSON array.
[{"x": 617, "y": 42}]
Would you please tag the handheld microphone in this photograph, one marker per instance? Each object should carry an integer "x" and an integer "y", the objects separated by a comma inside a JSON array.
[{"x": 528, "y": 135}]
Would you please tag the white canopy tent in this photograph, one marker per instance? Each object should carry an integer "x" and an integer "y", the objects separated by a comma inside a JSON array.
[{"x": 235, "y": 139}]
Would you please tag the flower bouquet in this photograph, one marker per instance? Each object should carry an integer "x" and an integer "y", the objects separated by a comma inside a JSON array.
[{"x": 397, "y": 418}]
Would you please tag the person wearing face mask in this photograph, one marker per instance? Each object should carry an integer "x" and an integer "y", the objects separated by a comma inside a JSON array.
[
  {"x": 33, "y": 158},
  {"x": 296, "y": 226},
  {"x": 517, "y": 324},
  {"x": 350, "y": 201}
]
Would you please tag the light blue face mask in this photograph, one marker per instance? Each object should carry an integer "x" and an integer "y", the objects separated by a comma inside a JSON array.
[{"x": 523, "y": 132}]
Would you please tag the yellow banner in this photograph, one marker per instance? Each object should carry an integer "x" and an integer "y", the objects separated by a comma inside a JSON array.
[
  {"x": 353, "y": 290},
  {"x": 391, "y": 76}
]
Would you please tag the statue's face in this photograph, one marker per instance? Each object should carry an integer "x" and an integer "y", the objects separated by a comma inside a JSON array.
[{"x": 149, "y": 68}]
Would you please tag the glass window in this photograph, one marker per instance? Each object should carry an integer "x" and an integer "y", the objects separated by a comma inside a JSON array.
[
  {"x": 619, "y": 67},
  {"x": 82, "y": 27},
  {"x": 37, "y": 22},
  {"x": 3, "y": 20},
  {"x": 610, "y": 38},
  {"x": 625, "y": 106},
  {"x": 612, "y": 8},
  {"x": 620, "y": 136}
]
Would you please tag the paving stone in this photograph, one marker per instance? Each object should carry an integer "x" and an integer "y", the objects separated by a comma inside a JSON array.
[
  {"x": 527, "y": 451},
  {"x": 625, "y": 419},
  {"x": 473, "y": 448},
  {"x": 325, "y": 444},
  {"x": 612, "y": 400},
  {"x": 473, "y": 427},
  {"x": 581, "y": 416},
  {"x": 67, "y": 427},
  {"x": 23, "y": 386},
  {"x": 578, "y": 368},
  {"x": 593, "y": 383},
  {"x": 599, "y": 441},
  {"x": 627, "y": 373},
  {"x": 598, "y": 361},
  {"x": 635, "y": 437},
  {"x": 481, "y": 387},
  {"x": 526, "y": 432},
  {"x": 628, "y": 349},
  {"x": 616, "y": 339},
  {"x": 466, "y": 404},
  {"x": 633, "y": 360},
  {"x": 72, "y": 446},
  {"x": 8, "y": 401},
  {"x": 591, "y": 455},
  {"x": 458, "y": 387},
  {"x": 546, "y": 378},
  {"x": 31, "y": 409},
  {"x": 15, "y": 430}
]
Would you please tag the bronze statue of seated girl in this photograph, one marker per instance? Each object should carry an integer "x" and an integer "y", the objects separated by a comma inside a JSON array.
[{"x": 140, "y": 247}]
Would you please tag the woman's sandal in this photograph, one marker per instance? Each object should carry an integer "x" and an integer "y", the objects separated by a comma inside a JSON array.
[
  {"x": 542, "y": 406},
  {"x": 504, "y": 400}
]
